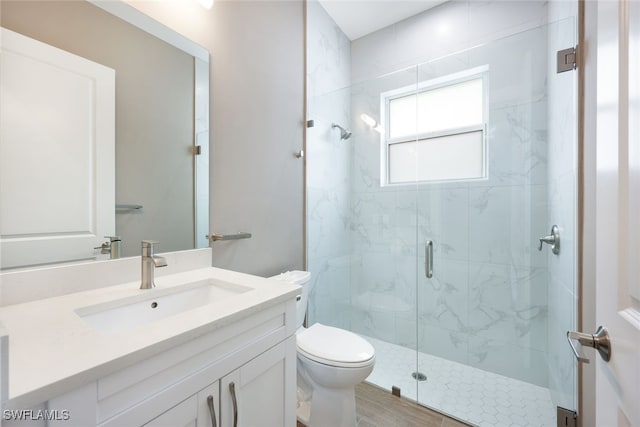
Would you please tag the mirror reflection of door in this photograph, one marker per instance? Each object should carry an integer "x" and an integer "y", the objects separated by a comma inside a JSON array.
[
  {"x": 57, "y": 153},
  {"x": 161, "y": 112}
]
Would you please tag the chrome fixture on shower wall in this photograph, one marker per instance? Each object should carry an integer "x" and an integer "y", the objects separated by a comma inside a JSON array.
[
  {"x": 344, "y": 134},
  {"x": 552, "y": 239}
]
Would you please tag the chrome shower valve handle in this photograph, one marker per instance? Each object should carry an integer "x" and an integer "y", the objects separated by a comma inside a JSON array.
[
  {"x": 549, "y": 240},
  {"x": 553, "y": 239}
]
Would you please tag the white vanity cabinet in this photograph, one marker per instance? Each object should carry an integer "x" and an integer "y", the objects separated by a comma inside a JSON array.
[
  {"x": 184, "y": 414},
  {"x": 260, "y": 394},
  {"x": 253, "y": 395},
  {"x": 207, "y": 411},
  {"x": 254, "y": 351}
]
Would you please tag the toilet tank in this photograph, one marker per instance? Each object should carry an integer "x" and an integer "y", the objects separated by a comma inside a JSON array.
[{"x": 301, "y": 278}]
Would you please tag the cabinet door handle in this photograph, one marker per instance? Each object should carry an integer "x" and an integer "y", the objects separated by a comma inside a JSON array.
[
  {"x": 232, "y": 389},
  {"x": 212, "y": 411}
]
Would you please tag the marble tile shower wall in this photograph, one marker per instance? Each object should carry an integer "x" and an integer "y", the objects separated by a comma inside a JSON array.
[
  {"x": 486, "y": 305},
  {"x": 449, "y": 27},
  {"x": 493, "y": 303},
  {"x": 328, "y": 169}
]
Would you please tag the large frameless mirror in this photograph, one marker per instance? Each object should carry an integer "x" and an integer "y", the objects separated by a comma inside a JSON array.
[{"x": 104, "y": 133}]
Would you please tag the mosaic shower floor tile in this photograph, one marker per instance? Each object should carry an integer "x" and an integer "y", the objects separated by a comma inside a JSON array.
[{"x": 470, "y": 394}]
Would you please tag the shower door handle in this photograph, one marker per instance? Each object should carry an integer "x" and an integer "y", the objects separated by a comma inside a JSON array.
[{"x": 428, "y": 259}]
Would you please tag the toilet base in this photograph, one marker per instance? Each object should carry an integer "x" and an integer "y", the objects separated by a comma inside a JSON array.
[
  {"x": 303, "y": 412},
  {"x": 329, "y": 408}
]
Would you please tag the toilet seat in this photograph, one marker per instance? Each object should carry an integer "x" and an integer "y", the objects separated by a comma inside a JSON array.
[{"x": 334, "y": 347}]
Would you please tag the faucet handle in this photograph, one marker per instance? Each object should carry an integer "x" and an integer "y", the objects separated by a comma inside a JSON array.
[
  {"x": 112, "y": 247},
  {"x": 148, "y": 247},
  {"x": 105, "y": 247}
]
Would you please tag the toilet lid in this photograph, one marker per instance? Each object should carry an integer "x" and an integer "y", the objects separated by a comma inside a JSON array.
[{"x": 333, "y": 346}]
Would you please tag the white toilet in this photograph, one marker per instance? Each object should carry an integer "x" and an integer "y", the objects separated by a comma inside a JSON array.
[{"x": 331, "y": 361}]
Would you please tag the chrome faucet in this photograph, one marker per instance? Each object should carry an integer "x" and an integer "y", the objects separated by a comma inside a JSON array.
[
  {"x": 112, "y": 247},
  {"x": 149, "y": 263}
]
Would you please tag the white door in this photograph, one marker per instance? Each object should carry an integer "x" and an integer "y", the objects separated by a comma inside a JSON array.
[
  {"x": 57, "y": 153},
  {"x": 617, "y": 233}
]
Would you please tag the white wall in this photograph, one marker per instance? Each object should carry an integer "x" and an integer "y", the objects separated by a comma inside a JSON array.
[
  {"x": 257, "y": 83},
  {"x": 587, "y": 320}
]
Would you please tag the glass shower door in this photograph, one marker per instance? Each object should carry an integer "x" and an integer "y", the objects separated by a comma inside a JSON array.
[
  {"x": 474, "y": 152},
  {"x": 492, "y": 318},
  {"x": 383, "y": 238},
  {"x": 361, "y": 231}
]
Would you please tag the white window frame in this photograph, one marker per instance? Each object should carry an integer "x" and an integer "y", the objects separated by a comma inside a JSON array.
[{"x": 481, "y": 72}]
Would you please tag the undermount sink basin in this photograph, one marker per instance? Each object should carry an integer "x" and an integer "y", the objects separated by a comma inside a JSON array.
[{"x": 156, "y": 304}]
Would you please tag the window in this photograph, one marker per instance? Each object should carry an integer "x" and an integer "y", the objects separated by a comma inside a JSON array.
[{"x": 437, "y": 131}]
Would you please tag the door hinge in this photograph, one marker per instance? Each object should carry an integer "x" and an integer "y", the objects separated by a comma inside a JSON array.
[
  {"x": 567, "y": 418},
  {"x": 567, "y": 59},
  {"x": 197, "y": 150}
]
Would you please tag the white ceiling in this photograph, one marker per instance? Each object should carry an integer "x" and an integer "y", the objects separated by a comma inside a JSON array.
[{"x": 358, "y": 18}]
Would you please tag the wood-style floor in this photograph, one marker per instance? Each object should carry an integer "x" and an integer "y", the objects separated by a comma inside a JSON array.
[{"x": 376, "y": 407}]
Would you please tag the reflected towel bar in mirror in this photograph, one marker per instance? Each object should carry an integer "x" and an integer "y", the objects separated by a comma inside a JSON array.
[{"x": 121, "y": 208}]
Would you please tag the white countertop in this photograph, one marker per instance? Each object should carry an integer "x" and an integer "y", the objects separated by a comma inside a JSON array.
[{"x": 52, "y": 350}]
